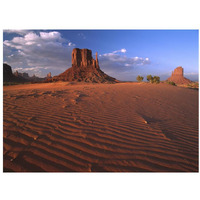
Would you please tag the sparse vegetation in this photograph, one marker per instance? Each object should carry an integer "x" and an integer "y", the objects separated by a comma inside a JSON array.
[
  {"x": 193, "y": 85},
  {"x": 140, "y": 78},
  {"x": 155, "y": 79},
  {"x": 149, "y": 78},
  {"x": 171, "y": 83}
]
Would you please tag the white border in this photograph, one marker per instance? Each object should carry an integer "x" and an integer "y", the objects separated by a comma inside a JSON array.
[{"x": 88, "y": 14}]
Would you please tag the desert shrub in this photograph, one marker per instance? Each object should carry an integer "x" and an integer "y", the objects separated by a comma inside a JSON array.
[
  {"x": 171, "y": 83},
  {"x": 156, "y": 79},
  {"x": 149, "y": 78},
  {"x": 140, "y": 78},
  {"x": 193, "y": 85}
]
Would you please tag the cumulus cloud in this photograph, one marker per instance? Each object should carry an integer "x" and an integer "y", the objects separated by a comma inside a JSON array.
[
  {"x": 39, "y": 52},
  {"x": 117, "y": 62},
  {"x": 19, "y": 32},
  {"x": 121, "y": 50},
  {"x": 71, "y": 44}
]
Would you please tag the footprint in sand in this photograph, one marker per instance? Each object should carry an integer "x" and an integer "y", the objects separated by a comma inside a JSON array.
[
  {"x": 65, "y": 106},
  {"x": 136, "y": 97},
  {"x": 13, "y": 155},
  {"x": 35, "y": 137},
  {"x": 32, "y": 118},
  {"x": 154, "y": 125},
  {"x": 47, "y": 92},
  {"x": 73, "y": 101}
]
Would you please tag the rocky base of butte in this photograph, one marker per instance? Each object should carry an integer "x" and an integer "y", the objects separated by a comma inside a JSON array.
[{"x": 84, "y": 69}]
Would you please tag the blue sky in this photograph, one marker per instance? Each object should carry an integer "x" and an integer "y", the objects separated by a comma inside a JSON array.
[{"x": 123, "y": 54}]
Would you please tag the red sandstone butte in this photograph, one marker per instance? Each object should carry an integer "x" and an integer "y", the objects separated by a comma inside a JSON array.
[
  {"x": 177, "y": 76},
  {"x": 84, "y": 68}
]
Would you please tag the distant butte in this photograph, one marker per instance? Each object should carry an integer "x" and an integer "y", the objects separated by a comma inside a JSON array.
[
  {"x": 8, "y": 75},
  {"x": 84, "y": 69},
  {"x": 177, "y": 76}
]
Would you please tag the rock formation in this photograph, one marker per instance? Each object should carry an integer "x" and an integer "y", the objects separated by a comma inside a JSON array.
[
  {"x": 7, "y": 72},
  {"x": 49, "y": 75},
  {"x": 16, "y": 73},
  {"x": 24, "y": 74},
  {"x": 8, "y": 76},
  {"x": 84, "y": 68},
  {"x": 178, "y": 77},
  {"x": 18, "y": 77}
]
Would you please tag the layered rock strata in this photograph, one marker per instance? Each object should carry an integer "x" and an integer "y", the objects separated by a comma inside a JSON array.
[{"x": 84, "y": 68}]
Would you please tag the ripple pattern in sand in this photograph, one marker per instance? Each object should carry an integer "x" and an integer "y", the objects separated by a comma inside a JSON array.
[{"x": 92, "y": 128}]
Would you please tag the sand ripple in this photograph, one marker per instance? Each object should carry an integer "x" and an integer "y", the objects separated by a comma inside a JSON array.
[{"x": 94, "y": 127}]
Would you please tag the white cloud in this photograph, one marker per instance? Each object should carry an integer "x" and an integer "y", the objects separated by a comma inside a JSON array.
[
  {"x": 121, "y": 50},
  {"x": 17, "y": 69},
  {"x": 71, "y": 44},
  {"x": 114, "y": 63},
  {"x": 39, "y": 52},
  {"x": 31, "y": 36},
  {"x": 50, "y": 35},
  {"x": 19, "y": 32}
]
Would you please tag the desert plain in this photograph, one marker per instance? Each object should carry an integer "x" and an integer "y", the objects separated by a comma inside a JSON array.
[{"x": 88, "y": 127}]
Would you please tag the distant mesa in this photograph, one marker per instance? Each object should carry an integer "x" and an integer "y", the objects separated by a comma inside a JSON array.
[
  {"x": 177, "y": 76},
  {"x": 26, "y": 76},
  {"x": 8, "y": 76},
  {"x": 84, "y": 69},
  {"x": 49, "y": 75}
]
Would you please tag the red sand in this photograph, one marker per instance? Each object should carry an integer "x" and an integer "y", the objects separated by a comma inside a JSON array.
[{"x": 100, "y": 127}]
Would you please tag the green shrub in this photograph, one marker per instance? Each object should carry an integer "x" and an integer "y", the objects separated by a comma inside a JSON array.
[
  {"x": 155, "y": 79},
  {"x": 193, "y": 85},
  {"x": 149, "y": 78},
  {"x": 140, "y": 78},
  {"x": 171, "y": 83}
]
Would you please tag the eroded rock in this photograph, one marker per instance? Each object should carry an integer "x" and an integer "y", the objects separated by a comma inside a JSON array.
[
  {"x": 178, "y": 77},
  {"x": 84, "y": 68}
]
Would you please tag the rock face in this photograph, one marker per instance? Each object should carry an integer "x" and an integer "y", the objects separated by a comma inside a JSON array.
[
  {"x": 8, "y": 76},
  {"x": 24, "y": 75},
  {"x": 178, "y": 77},
  {"x": 7, "y": 72},
  {"x": 84, "y": 68},
  {"x": 49, "y": 75},
  {"x": 18, "y": 77}
]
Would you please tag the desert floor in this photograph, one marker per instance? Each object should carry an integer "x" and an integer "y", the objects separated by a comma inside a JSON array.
[{"x": 134, "y": 127}]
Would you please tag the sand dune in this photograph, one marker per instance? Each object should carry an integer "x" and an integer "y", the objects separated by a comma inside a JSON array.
[{"x": 100, "y": 127}]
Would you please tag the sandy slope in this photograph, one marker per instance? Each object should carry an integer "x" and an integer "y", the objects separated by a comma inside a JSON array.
[{"x": 100, "y": 127}]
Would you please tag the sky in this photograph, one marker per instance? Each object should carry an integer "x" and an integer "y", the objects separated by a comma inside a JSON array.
[{"x": 123, "y": 54}]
